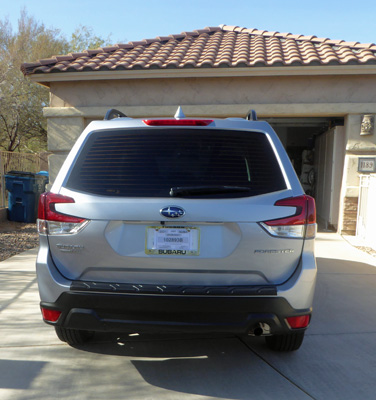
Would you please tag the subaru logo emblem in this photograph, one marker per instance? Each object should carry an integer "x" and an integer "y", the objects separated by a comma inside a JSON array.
[{"x": 172, "y": 212}]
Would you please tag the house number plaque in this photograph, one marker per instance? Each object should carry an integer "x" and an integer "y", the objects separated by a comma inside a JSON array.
[{"x": 367, "y": 165}]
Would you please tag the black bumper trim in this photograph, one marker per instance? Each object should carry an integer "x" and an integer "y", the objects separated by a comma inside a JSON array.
[
  {"x": 125, "y": 312},
  {"x": 90, "y": 286}
]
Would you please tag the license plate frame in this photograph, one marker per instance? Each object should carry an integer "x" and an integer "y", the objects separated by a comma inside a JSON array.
[{"x": 172, "y": 240}]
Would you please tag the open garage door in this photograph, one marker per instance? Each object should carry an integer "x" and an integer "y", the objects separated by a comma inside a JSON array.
[{"x": 316, "y": 149}]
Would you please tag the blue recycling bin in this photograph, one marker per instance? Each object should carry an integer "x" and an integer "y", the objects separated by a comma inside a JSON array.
[
  {"x": 45, "y": 174},
  {"x": 24, "y": 189}
]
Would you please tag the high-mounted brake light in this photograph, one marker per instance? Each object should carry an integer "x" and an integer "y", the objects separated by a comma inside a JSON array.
[
  {"x": 177, "y": 122},
  {"x": 51, "y": 221},
  {"x": 298, "y": 225}
]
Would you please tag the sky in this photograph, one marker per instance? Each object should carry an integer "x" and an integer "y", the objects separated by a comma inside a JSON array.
[{"x": 127, "y": 21}]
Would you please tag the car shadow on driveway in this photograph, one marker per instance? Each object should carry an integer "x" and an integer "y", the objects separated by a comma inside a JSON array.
[{"x": 219, "y": 366}]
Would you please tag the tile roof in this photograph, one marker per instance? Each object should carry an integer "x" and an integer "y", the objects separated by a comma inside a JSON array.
[{"x": 213, "y": 47}]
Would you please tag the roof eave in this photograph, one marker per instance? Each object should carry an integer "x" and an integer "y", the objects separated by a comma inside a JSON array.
[{"x": 46, "y": 78}]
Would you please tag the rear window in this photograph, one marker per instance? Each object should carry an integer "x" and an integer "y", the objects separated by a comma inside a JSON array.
[{"x": 140, "y": 163}]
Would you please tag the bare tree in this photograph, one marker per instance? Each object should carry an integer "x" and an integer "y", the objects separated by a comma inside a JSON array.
[
  {"x": 21, "y": 101},
  {"x": 22, "y": 125}
]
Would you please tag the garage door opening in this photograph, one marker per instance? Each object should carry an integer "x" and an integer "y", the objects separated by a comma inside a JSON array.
[{"x": 316, "y": 149}]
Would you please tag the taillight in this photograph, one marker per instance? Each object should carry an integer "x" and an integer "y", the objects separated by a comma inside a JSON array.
[
  {"x": 50, "y": 315},
  {"x": 52, "y": 222},
  {"x": 298, "y": 225},
  {"x": 177, "y": 122},
  {"x": 298, "y": 322}
]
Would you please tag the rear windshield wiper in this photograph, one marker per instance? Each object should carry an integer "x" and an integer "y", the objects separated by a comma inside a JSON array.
[{"x": 197, "y": 190}]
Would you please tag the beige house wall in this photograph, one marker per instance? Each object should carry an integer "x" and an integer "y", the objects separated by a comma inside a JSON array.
[
  {"x": 205, "y": 91},
  {"x": 73, "y": 104}
]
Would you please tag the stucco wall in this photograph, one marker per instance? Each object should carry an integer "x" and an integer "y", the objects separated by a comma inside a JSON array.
[
  {"x": 357, "y": 146},
  {"x": 237, "y": 90}
]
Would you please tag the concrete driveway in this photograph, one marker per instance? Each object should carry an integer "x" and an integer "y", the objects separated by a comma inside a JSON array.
[{"x": 337, "y": 359}]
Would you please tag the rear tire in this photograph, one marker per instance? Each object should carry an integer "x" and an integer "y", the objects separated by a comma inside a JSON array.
[
  {"x": 288, "y": 342},
  {"x": 73, "y": 336}
]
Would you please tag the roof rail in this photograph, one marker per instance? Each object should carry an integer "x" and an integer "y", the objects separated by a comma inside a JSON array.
[
  {"x": 251, "y": 116},
  {"x": 112, "y": 113}
]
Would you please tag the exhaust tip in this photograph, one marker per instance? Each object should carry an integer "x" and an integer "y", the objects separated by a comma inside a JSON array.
[{"x": 260, "y": 329}]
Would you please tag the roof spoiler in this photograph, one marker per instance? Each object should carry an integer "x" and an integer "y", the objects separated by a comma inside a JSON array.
[
  {"x": 112, "y": 113},
  {"x": 251, "y": 116}
]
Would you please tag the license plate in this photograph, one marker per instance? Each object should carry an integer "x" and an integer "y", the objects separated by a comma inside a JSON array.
[{"x": 174, "y": 240}]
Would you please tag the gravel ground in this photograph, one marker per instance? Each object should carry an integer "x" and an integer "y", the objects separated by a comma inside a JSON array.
[{"x": 16, "y": 237}]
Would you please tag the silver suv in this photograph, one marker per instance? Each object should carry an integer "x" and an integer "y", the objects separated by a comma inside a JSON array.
[{"x": 177, "y": 225}]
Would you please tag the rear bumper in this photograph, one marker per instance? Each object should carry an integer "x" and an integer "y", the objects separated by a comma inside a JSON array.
[
  {"x": 142, "y": 313},
  {"x": 231, "y": 309}
]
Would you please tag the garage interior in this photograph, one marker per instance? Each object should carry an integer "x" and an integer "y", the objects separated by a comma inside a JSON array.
[{"x": 316, "y": 149}]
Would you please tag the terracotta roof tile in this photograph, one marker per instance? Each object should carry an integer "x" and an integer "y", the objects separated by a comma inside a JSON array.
[
  {"x": 282, "y": 35},
  {"x": 318, "y": 40},
  {"x": 364, "y": 45},
  {"x": 223, "y": 46},
  {"x": 64, "y": 58},
  {"x": 307, "y": 38},
  {"x": 43, "y": 69},
  {"x": 179, "y": 36}
]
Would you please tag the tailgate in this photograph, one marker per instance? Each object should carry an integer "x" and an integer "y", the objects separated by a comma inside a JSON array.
[{"x": 217, "y": 243}]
